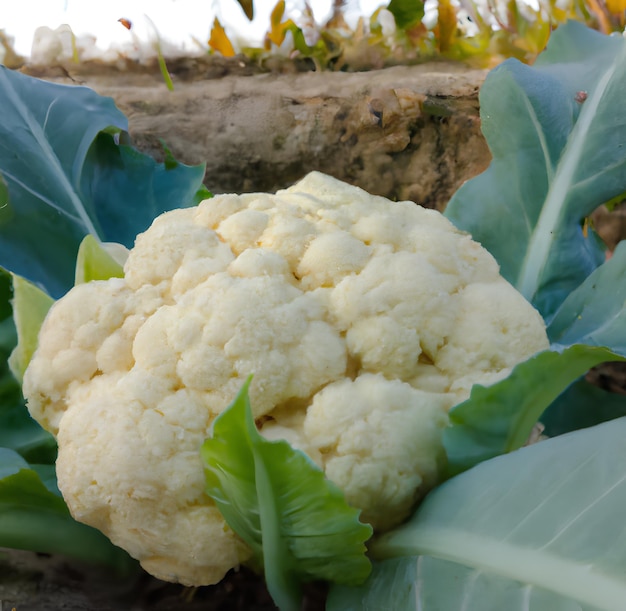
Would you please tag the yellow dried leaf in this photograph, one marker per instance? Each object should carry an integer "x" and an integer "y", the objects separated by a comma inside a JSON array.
[
  {"x": 277, "y": 31},
  {"x": 219, "y": 41},
  {"x": 616, "y": 6},
  {"x": 446, "y": 25}
]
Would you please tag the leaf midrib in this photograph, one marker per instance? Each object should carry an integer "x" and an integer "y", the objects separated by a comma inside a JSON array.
[
  {"x": 37, "y": 131},
  {"x": 540, "y": 568},
  {"x": 543, "y": 236}
]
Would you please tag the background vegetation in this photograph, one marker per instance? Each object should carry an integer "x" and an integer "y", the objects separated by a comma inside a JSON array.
[{"x": 481, "y": 33}]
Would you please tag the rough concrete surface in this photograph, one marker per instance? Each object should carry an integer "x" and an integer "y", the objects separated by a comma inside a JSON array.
[{"x": 406, "y": 132}]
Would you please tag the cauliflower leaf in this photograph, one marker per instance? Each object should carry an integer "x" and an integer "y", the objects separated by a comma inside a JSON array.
[
  {"x": 582, "y": 405},
  {"x": 18, "y": 431},
  {"x": 98, "y": 261},
  {"x": 34, "y": 516},
  {"x": 559, "y": 159},
  {"x": 594, "y": 313},
  {"x": 556, "y": 135},
  {"x": 278, "y": 501},
  {"x": 541, "y": 528},
  {"x": 500, "y": 418},
  {"x": 30, "y": 306},
  {"x": 75, "y": 175}
]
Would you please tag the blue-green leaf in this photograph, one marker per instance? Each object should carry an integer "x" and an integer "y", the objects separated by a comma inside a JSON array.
[
  {"x": 582, "y": 405},
  {"x": 555, "y": 159},
  {"x": 595, "y": 312},
  {"x": 67, "y": 176},
  {"x": 128, "y": 189},
  {"x": 540, "y": 529}
]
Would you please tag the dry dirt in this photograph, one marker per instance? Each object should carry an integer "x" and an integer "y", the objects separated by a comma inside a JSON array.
[{"x": 40, "y": 582}]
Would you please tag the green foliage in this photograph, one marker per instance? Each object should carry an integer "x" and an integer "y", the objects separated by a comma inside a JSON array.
[
  {"x": 4, "y": 194},
  {"x": 278, "y": 501},
  {"x": 555, "y": 160},
  {"x": 542, "y": 164},
  {"x": 500, "y": 418},
  {"x": 582, "y": 405},
  {"x": 94, "y": 261},
  {"x": 406, "y": 12},
  {"x": 30, "y": 306},
  {"x": 480, "y": 33},
  {"x": 73, "y": 179},
  {"x": 538, "y": 529},
  {"x": 67, "y": 172},
  {"x": 18, "y": 431},
  {"x": 594, "y": 312},
  {"x": 33, "y": 516},
  {"x": 538, "y": 237}
]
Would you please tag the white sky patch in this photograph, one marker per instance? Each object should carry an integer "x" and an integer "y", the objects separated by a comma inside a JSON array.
[{"x": 181, "y": 24}]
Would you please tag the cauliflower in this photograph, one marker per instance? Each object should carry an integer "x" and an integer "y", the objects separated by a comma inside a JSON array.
[{"x": 363, "y": 321}]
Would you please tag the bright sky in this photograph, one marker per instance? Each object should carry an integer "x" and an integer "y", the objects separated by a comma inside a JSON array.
[{"x": 177, "y": 21}]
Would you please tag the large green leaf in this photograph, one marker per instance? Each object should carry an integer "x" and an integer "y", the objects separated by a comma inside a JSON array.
[
  {"x": 128, "y": 189},
  {"x": 424, "y": 583},
  {"x": 595, "y": 312},
  {"x": 499, "y": 418},
  {"x": 34, "y": 517},
  {"x": 557, "y": 137},
  {"x": 540, "y": 529},
  {"x": 582, "y": 405},
  {"x": 46, "y": 131},
  {"x": 67, "y": 177},
  {"x": 297, "y": 523}
]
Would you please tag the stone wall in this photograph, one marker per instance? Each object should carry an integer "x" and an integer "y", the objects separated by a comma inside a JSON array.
[{"x": 403, "y": 132}]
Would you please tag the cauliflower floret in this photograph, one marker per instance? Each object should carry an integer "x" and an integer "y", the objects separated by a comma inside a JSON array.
[
  {"x": 363, "y": 321},
  {"x": 384, "y": 447}
]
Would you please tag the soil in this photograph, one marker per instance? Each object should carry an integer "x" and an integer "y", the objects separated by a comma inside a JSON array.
[{"x": 40, "y": 582}]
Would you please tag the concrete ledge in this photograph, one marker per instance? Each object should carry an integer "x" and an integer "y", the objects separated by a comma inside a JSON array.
[{"x": 406, "y": 132}]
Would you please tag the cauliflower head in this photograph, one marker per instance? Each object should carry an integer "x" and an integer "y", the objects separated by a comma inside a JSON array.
[{"x": 363, "y": 321}]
